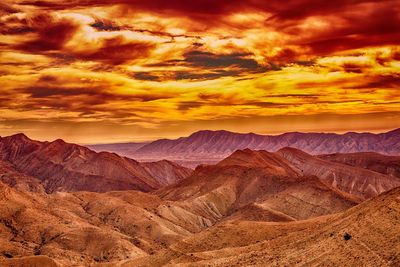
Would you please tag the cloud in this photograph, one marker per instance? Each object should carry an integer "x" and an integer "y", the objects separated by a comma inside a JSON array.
[
  {"x": 7, "y": 9},
  {"x": 104, "y": 25},
  {"x": 361, "y": 24},
  {"x": 158, "y": 63},
  {"x": 196, "y": 74},
  {"x": 94, "y": 95},
  {"x": 189, "y": 75},
  {"x": 67, "y": 96},
  {"x": 145, "y": 76},
  {"x": 210, "y": 60},
  {"x": 52, "y": 34},
  {"x": 308, "y": 28},
  {"x": 13, "y": 24},
  {"x": 174, "y": 6},
  {"x": 381, "y": 81},
  {"x": 203, "y": 65},
  {"x": 290, "y": 10},
  {"x": 116, "y": 51}
]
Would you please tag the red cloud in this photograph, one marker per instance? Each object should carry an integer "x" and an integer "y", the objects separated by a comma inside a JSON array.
[
  {"x": 51, "y": 34},
  {"x": 116, "y": 51},
  {"x": 362, "y": 22}
]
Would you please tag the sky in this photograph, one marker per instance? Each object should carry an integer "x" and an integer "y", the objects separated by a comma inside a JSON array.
[{"x": 131, "y": 70}]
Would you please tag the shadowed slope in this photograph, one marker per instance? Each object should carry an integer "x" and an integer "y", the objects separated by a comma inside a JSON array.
[
  {"x": 85, "y": 227},
  {"x": 166, "y": 172},
  {"x": 389, "y": 165},
  {"x": 361, "y": 182},
  {"x": 13, "y": 178},
  {"x": 367, "y": 235}
]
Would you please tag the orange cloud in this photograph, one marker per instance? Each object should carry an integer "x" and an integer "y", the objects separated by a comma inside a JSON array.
[{"x": 155, "y": 64}]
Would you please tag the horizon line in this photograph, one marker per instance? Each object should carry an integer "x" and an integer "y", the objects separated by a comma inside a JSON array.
[{"x": 221, "y": 130}]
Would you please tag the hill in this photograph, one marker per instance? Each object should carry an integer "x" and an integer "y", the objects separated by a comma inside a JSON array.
[{"x": 61, "y": 166}]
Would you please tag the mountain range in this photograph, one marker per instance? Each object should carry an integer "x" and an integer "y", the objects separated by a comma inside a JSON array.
[
  {"x": 62, "y": 204},
  {"x": 60, "y": 166},
  {"x": 205, "y": 147}
]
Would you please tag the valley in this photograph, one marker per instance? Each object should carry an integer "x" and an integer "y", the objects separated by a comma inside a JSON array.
[{"x": 65, "y": 205}]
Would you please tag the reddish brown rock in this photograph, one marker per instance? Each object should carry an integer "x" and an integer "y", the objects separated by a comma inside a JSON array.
[
  {"x": 61, "y": 166},
  {"x": 357, "y": 181},
  {"x": 389, "y": 165}
]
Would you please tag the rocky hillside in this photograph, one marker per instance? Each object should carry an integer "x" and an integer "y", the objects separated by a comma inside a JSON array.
[
  {"x": 253, "y": 207},
  {"x": 365, "y": 235},
  {"x": 61, "y": 166},
  {"x": 389, "y": 165},
  {"x": 357, "y": 181}
]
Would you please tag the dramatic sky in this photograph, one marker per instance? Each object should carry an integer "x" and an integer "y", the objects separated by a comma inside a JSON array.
[{"x": 94, "y": 71}]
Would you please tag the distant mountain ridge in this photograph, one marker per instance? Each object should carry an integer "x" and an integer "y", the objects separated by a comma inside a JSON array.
[
  {"x": 211, "y": 146},
  {"x": 123, "y": 149}
]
